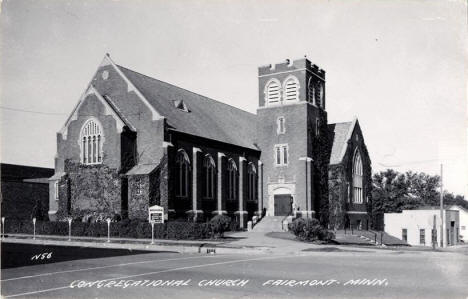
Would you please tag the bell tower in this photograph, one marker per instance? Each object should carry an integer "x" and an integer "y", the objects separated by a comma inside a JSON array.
[{"x": 291, "y": 117}]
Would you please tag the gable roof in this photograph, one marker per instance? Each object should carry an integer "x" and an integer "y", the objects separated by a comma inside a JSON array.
[
  {"x": 340, "y": 133},
  {"x": 203, "y": 117}
]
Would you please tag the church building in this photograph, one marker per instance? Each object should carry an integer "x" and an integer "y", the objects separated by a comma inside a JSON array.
[{"x": 133, "y": 142}]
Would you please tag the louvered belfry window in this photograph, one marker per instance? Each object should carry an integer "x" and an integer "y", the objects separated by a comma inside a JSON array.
[
  {"x": 273, "y": 92},
  {"x": 91, "y": 143},
  {"x": 291, "y": 89}
]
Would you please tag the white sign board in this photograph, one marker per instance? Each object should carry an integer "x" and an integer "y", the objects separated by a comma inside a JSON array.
[{"x": 156, "y": 214}]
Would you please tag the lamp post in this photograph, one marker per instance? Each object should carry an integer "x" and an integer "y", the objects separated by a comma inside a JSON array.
[
  {"x": 3, "y": 228},
  {"x": 34, "y": 228},
  {"x": 108, "y": 229},
  {"x": 152, "y": 232},
  {"x": 69, "y": 228}
]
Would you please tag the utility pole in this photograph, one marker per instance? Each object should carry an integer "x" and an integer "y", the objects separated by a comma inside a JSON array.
[{"x": 441, "y": 207}]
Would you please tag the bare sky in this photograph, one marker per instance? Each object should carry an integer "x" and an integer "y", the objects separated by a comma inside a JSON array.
[{"x": 399, "y": 66}]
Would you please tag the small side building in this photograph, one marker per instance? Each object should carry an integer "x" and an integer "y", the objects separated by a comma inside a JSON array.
[
  {"x": 416, "y": 226},
  {"x": 24, "y": 191},
  {"x": 463, "y": 235}
]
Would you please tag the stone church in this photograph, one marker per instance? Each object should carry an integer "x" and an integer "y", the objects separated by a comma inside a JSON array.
[{"x": 133, "y": 141}]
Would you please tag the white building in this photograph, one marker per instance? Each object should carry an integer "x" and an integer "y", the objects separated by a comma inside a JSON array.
[
  {"x": 415, "y": 226},
  {"x": 463, "y": 221}
]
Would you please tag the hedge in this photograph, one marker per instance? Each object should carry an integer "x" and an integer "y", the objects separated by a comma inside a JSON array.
[
  {"x": 309, "y": 229},
  {"x": 122, "y": 229}
]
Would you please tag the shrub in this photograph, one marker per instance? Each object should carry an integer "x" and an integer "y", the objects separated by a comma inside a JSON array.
[
  {"x": 309, "y": 229},
  {"x": 220, "y": 224}
]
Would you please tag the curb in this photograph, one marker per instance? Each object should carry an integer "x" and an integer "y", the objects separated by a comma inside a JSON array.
[{"x": 194, "y": 249}]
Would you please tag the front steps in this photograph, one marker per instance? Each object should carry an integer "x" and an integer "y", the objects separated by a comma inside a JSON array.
[{"x": 271, "y": 224}]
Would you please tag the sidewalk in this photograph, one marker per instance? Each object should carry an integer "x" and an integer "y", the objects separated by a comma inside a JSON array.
[{"x": 181, "y": 246}]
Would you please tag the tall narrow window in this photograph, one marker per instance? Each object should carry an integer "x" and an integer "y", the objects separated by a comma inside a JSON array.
[
  {"x": 232, "y": 180},
  {"x": 311, "y": 88},
  {"x": 319, "y": 96},
  {"x": 317, "y": 126},
  {"x": 209, "y": 177},
  {"x": 291, "y": 89},
  {"x": 182, "y": 174},
  {"x": 252, "y": 177},
  {"x": 273, "y": 92},
  {"x": 91, "y": 142},
  {"x": 357, "y": 178},
  {"x": 281, "y": 127},
  {"x": 281, "y": 155}
]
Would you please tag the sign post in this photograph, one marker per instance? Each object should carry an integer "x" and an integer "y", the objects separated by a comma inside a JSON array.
[
  {"x": 3, "y": 228},
  {"x": 152, "y": 232},
  {"x": 34, "y": 228},
  {"x": 69, "y": 228},
  {"x": 156, "y": 214},
  {"x": 108, "y": 229}
]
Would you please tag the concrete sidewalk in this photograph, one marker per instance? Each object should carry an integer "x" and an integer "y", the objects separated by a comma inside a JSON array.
[{"x": 182, "y": 246}]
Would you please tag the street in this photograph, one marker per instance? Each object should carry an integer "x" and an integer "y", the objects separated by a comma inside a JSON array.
[{"x": 333, "y": 272}]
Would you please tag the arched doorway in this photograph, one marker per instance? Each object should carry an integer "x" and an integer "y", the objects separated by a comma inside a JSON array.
[{"x": 283, "y": 202}]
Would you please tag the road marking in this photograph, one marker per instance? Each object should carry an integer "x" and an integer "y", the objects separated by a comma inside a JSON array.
[
  {"x": 102, "y": 267},
  {"x": 156, "y": 272}
]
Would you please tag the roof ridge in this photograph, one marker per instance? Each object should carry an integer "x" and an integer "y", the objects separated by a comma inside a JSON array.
[
  {"x": 341, "y": 122},
  {"x": 178, "y": 87}
]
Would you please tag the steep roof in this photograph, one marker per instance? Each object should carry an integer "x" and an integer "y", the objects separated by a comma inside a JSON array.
[
  {"x": 202, "y": 117},
  {"x": 339, "y": 134}
]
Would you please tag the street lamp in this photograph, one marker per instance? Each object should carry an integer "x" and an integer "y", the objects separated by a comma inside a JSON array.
[
  {"x": 3, "y": 227},
  {"x": 108, "y": 229},
  {"x": 152, "y": 232},
  {"x": 34, "y": 228},
  {"x": 69, "y": 228}
]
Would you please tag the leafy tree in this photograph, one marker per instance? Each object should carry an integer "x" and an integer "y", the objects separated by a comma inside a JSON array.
[{"x": 393, "y": 192}]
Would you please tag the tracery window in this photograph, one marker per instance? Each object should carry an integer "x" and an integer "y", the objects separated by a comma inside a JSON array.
[
  {"x": 182, "y": 173},
  {"x": 252, "y": 182},
  {"x": 209, "y": 176},
  {"x": 232, "y": 180},
  {"x": 91, "y": 142},
  {"x": 357, "y": 178}
]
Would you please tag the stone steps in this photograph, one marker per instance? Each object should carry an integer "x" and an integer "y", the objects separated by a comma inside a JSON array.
[{"x": 270, "y": 224}]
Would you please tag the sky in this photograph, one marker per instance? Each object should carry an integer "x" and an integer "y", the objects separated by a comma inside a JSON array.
[{"x": 400, "y": 67}]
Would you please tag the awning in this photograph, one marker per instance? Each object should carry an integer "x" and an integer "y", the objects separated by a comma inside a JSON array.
[{"x": 142, "y": 169}]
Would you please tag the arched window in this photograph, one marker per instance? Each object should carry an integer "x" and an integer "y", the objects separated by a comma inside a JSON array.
[
  {"x": 182, "y": 174},
  {"x": 91, "y": 142},
  {"x": 272, "y": 92},
  {"x": 232, "y": 180},
  {"x": 291, "y": 89},
  {"x": 209, "y": 176},
  {"x": 311, "y": 88},
  {"x": 252, "y": 177},
  {"x": 319, "y": 101},
  {"x": 357, "y": 178}
]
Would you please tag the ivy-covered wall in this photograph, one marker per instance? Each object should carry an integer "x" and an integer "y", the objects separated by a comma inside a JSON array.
[
  {"x": 337, "y": 196},
  {"x": 321, "y": 156},
  {"x": 89, "y": 190}
]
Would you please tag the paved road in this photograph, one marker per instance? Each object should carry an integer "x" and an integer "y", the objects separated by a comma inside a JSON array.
[{"x": 313, "y": 274}]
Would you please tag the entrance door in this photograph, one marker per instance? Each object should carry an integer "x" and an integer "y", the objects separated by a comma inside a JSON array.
[{"x": 283, "y": 205}]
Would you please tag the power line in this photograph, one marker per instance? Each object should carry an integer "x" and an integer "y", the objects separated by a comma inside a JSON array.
[
  {"x": 31, "y": 111},
  {"x": 51, "y": 113}
]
